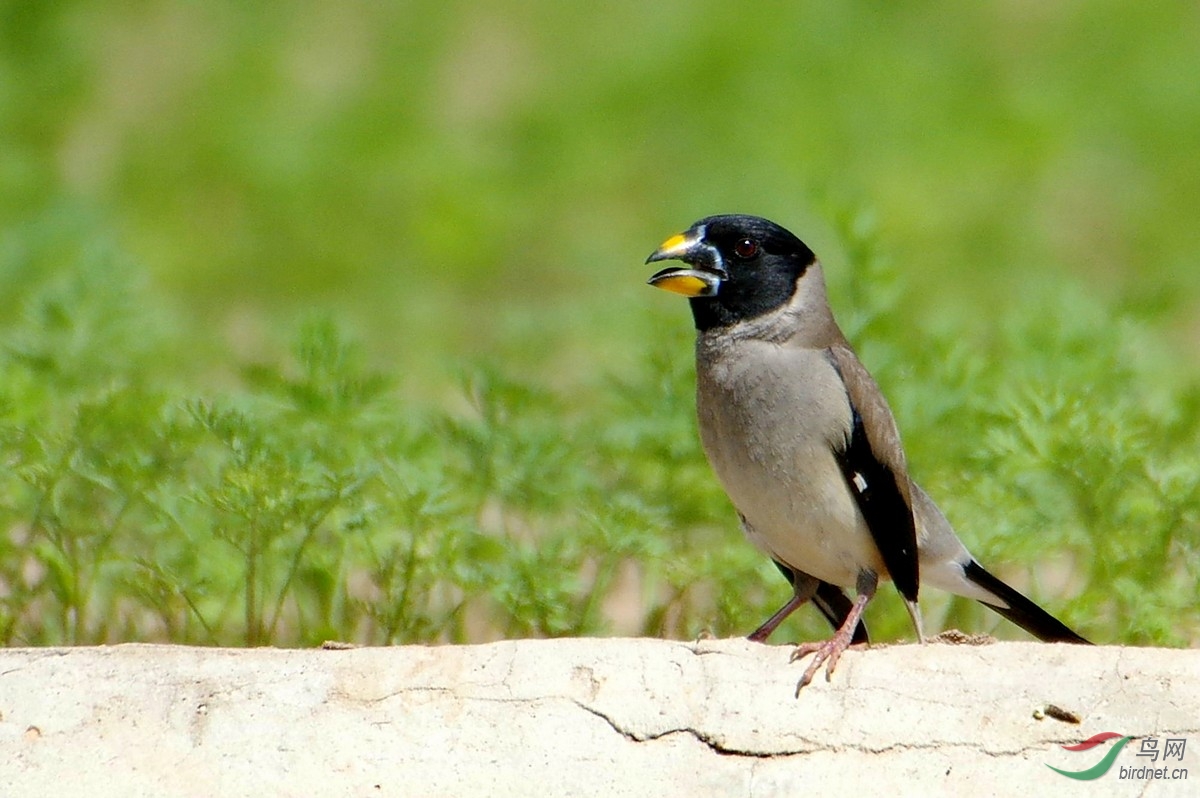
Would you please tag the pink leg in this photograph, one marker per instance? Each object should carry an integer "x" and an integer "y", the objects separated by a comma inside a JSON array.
[
  {"x": 803, "y": 589},
  {"x": 830, "y": 651}
]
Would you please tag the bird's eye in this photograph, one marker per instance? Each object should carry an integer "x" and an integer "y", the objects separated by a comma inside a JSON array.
[{"x": 746, "y": 248}]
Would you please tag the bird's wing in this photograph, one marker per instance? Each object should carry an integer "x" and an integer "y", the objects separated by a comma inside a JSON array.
[{"x": 872, "y": 462}]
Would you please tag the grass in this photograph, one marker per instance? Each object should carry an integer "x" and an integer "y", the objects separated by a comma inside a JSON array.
[
  {"x": 313, "y": 501},
  {"x": 331, "y": 325}
]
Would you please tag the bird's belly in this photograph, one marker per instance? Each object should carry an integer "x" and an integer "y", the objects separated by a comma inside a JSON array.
[{"x": 818, "y": 531}]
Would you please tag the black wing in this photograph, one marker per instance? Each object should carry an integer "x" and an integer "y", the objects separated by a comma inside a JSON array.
[{"x": 875, "y": 472}]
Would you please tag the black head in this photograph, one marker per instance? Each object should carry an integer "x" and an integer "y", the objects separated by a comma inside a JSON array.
[{"x": 741, "y": 267}]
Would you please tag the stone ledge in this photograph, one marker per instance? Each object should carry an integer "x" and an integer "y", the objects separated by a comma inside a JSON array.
[{"x": 564, "y": 717}]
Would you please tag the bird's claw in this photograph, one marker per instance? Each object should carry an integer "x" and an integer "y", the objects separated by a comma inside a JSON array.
[{"x": 827, "y": 653}]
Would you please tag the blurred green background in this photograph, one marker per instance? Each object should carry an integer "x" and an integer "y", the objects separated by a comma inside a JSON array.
[{"x": 462, "y": 195}]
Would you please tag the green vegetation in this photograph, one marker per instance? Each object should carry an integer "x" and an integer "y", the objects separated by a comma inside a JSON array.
[{"x": 329, "y": 323}]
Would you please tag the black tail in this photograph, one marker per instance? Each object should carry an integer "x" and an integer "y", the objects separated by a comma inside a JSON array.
[{"x": 1020, "y": 610}]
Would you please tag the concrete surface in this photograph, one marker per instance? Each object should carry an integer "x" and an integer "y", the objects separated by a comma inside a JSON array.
[{"x": 611, "y": 717}]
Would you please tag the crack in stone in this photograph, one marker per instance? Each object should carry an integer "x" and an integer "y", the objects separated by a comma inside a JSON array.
[
  {"x": 717, "y": 747},
  {"x": 54, "y": 653},
  {"x": 705, "y": 739},
  {"x": 814, "y": 748},
  {"x": 371, "y": 700}
]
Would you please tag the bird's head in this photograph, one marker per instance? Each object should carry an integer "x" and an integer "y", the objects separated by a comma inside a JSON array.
[{"x": 735, "y": 268}]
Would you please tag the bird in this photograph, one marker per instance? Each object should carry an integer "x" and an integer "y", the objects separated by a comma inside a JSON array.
[{"x": 805, "y": 445}]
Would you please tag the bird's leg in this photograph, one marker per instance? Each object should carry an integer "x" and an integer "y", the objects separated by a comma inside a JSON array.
[
  {"x": 803, "y": 588},
  {"x": 830, "y": 651}
]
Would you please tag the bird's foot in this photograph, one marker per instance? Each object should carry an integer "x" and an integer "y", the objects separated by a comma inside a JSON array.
[{"x": 827, "y": 653}]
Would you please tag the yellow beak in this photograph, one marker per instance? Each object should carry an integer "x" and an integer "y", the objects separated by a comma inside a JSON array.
[{"x": 678, "y": 279}]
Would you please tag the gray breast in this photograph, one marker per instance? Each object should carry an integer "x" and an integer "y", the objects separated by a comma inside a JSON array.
[{"x": 771, "y": 418}]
